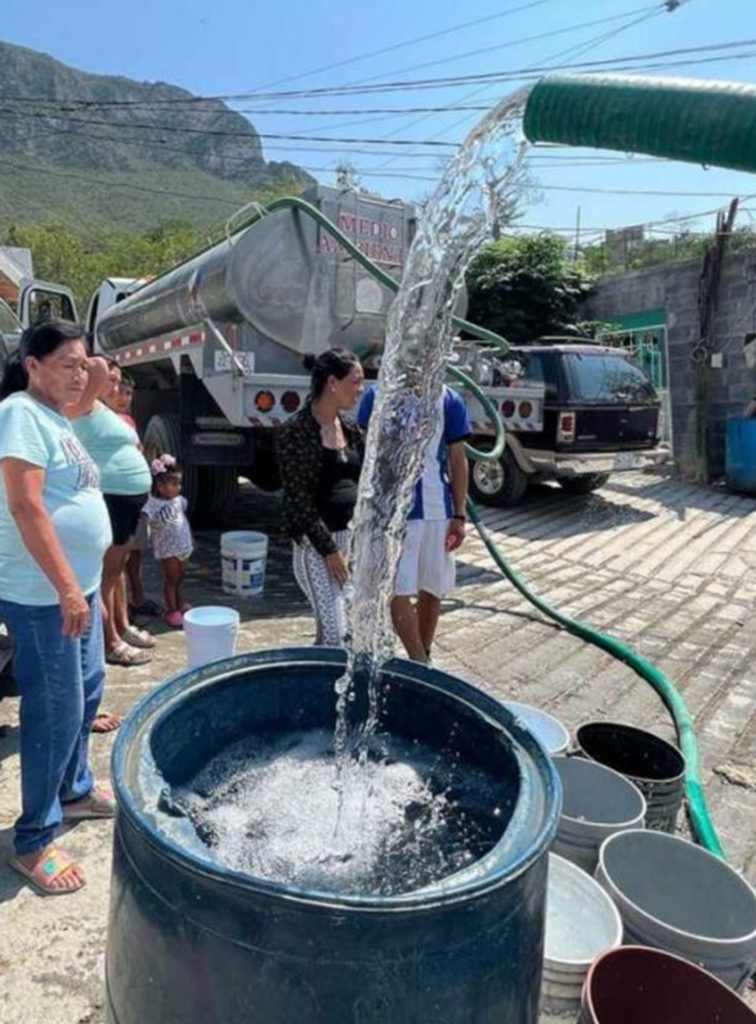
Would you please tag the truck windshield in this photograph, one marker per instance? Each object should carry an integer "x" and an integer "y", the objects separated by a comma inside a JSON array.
[{"x": 602, "y": 377}]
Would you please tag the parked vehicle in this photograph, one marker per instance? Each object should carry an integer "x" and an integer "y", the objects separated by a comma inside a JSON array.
[
  {"x": 10, "y": 332},
  {"x": 600, "y": 416}
]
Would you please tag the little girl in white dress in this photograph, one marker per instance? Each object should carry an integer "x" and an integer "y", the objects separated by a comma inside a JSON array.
[{"x": 170, "y": 531}]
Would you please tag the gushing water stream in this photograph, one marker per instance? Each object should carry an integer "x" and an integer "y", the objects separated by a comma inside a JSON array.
[{"x": 483, "y": 181}]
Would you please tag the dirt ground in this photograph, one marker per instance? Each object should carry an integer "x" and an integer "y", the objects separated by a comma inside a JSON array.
[{"x": 662, "y": 564}]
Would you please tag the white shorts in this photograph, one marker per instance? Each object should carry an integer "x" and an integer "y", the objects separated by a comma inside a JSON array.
[{"x": 425, "y": 563}]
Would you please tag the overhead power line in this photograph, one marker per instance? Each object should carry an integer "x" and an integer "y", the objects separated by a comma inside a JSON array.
[
  {"x": 521, "y": 41},
  {"x": 560, "y": 58},
  {"x": 252, "y": 135},
  {"x": 507, "y": 12},
  {"x": 27, "y": 169},
  {"x": 395, "y": 85}
]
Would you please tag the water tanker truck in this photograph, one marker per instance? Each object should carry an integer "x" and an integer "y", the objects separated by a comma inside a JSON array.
[{"x": 215, "y": 347}]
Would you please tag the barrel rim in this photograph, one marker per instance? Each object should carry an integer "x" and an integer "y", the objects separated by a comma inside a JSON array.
[
  {"x": 487, "y": 707},
  {"x": 691, "y": 938},
  {"x": 642, "y": 732},
  {"x": 261, "y": 539},
  {"x": 651, "y": 953},
  {"x": 584, "y": 964},
  {"x": 601, "y": 826}
]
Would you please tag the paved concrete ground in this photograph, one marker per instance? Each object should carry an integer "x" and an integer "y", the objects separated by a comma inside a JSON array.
[{"x": 667, "y": 566}]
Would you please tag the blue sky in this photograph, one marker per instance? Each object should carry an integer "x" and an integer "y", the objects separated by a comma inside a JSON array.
[{"x": 233, "y": 46}]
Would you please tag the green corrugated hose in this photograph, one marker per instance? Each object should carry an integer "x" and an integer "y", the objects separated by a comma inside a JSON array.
[
  {"x": 697, "y": 807},
  {"x": 696, "y": 120},
  {"x": 698, "y": 810}
]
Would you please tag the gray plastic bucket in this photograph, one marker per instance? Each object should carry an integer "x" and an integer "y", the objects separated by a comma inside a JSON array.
[
  {"x": 581, "y": 922},
  {"x": 676, "y": 896},
  {"x": 596, "y": 803},
  {"x": 547, "y": 729},
  {"x": 633, "y": 985},
  {"x": 655, "y": 766}
]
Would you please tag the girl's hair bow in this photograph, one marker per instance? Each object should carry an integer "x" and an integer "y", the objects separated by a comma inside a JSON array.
[{"x": 162, "y": 464}]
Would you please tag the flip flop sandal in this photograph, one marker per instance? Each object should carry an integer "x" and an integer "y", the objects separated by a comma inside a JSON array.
[
  {"x": 138, "y": 637},
  {"x": 174, "y": 619},
  {"x": 126, "y": 655},
  {"x": 99, "y": 804},
  {"x": 106, "y": 722},
  {"x": 47, "y": 871}
]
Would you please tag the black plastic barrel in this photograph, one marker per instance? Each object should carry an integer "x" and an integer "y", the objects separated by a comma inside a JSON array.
[
  {"x": 192, "y": 941},
  {"x": 656, "y": 767}
]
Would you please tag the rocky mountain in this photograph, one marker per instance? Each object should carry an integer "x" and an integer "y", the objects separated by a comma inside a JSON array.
[{"x": 145, "y": 152}]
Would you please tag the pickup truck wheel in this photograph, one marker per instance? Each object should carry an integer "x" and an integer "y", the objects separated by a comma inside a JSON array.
[
  {"x": 210, "y": 491},
  {"x": 583, "y": 484},
  {"x": 498, "y": 482}
]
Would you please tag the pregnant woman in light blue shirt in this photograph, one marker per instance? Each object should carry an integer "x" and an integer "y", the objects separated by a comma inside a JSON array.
[
  {"x": 54, "y": 531},
  {"x": 125, "y": 480}
]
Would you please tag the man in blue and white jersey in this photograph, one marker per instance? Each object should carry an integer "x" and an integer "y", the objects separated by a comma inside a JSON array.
[{"x": 435, "y": 527}]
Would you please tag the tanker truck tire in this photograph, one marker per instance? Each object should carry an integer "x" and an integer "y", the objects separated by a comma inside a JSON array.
[
  {"x": 500, "y": 482},
  {"x": 210, "y": 491}
]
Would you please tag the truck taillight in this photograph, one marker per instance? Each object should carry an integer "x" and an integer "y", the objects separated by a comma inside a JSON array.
[
  {"x": 264, "y": 401},
  {"x": 508, "y": 407},
  {"x": 566, "y": 427},
  {"x": 526, "y": 408},
  {"x": 290, "y": 401}
]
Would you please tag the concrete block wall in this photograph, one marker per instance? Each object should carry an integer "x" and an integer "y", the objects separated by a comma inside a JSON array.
[{"x": 675, "y": 289}]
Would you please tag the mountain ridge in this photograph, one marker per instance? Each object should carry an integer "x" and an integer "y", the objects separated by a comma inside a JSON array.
[{"x": 155, "y": 152}]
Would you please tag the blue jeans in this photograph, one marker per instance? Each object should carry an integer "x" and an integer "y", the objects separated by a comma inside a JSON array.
[{"x": 61, "y": 682}]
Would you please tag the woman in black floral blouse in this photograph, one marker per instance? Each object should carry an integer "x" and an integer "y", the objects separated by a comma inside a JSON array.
[{"x": 319, "y": 459}]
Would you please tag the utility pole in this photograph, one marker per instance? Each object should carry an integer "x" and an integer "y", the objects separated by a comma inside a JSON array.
[
  {"x": 708, "y": 294},
  {"x": 577, "y": 237}
]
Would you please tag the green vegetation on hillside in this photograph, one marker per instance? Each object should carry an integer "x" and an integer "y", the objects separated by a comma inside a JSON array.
[{"x": 96, "y": 152}]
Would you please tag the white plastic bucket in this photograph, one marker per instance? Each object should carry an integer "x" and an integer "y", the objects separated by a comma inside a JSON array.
[
  {"x": 210, "y": 634},
  {"x": 243, "y": 555},
  {"x": 549, "y": 730}
]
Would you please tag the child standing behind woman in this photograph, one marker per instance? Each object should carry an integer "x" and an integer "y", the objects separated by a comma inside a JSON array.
[{"x": 171, "y": 534}]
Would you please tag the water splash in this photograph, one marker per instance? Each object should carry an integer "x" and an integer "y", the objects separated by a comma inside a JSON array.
[
  {"x": 485, "y": 181},
  {"x": 266, "y": 806}
]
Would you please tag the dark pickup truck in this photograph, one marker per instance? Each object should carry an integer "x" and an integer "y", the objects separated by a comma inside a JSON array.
[{"x": 600, "y": 416}]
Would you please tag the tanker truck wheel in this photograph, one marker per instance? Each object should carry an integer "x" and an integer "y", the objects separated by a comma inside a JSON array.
[
  {"x": 210, "y": 491},
  {"x": 500, "y": 483}
]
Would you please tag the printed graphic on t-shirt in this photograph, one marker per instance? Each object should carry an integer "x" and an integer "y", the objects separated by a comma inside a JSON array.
[
  {"x": 76, "y": 456},
  {"x": 170, "y": 513}
]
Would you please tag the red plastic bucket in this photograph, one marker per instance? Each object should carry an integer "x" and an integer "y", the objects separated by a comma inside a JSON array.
[{"x": 636, "y": 985}]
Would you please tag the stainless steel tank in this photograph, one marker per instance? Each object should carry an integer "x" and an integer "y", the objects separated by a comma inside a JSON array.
[{"x": 285, "y": 275}]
